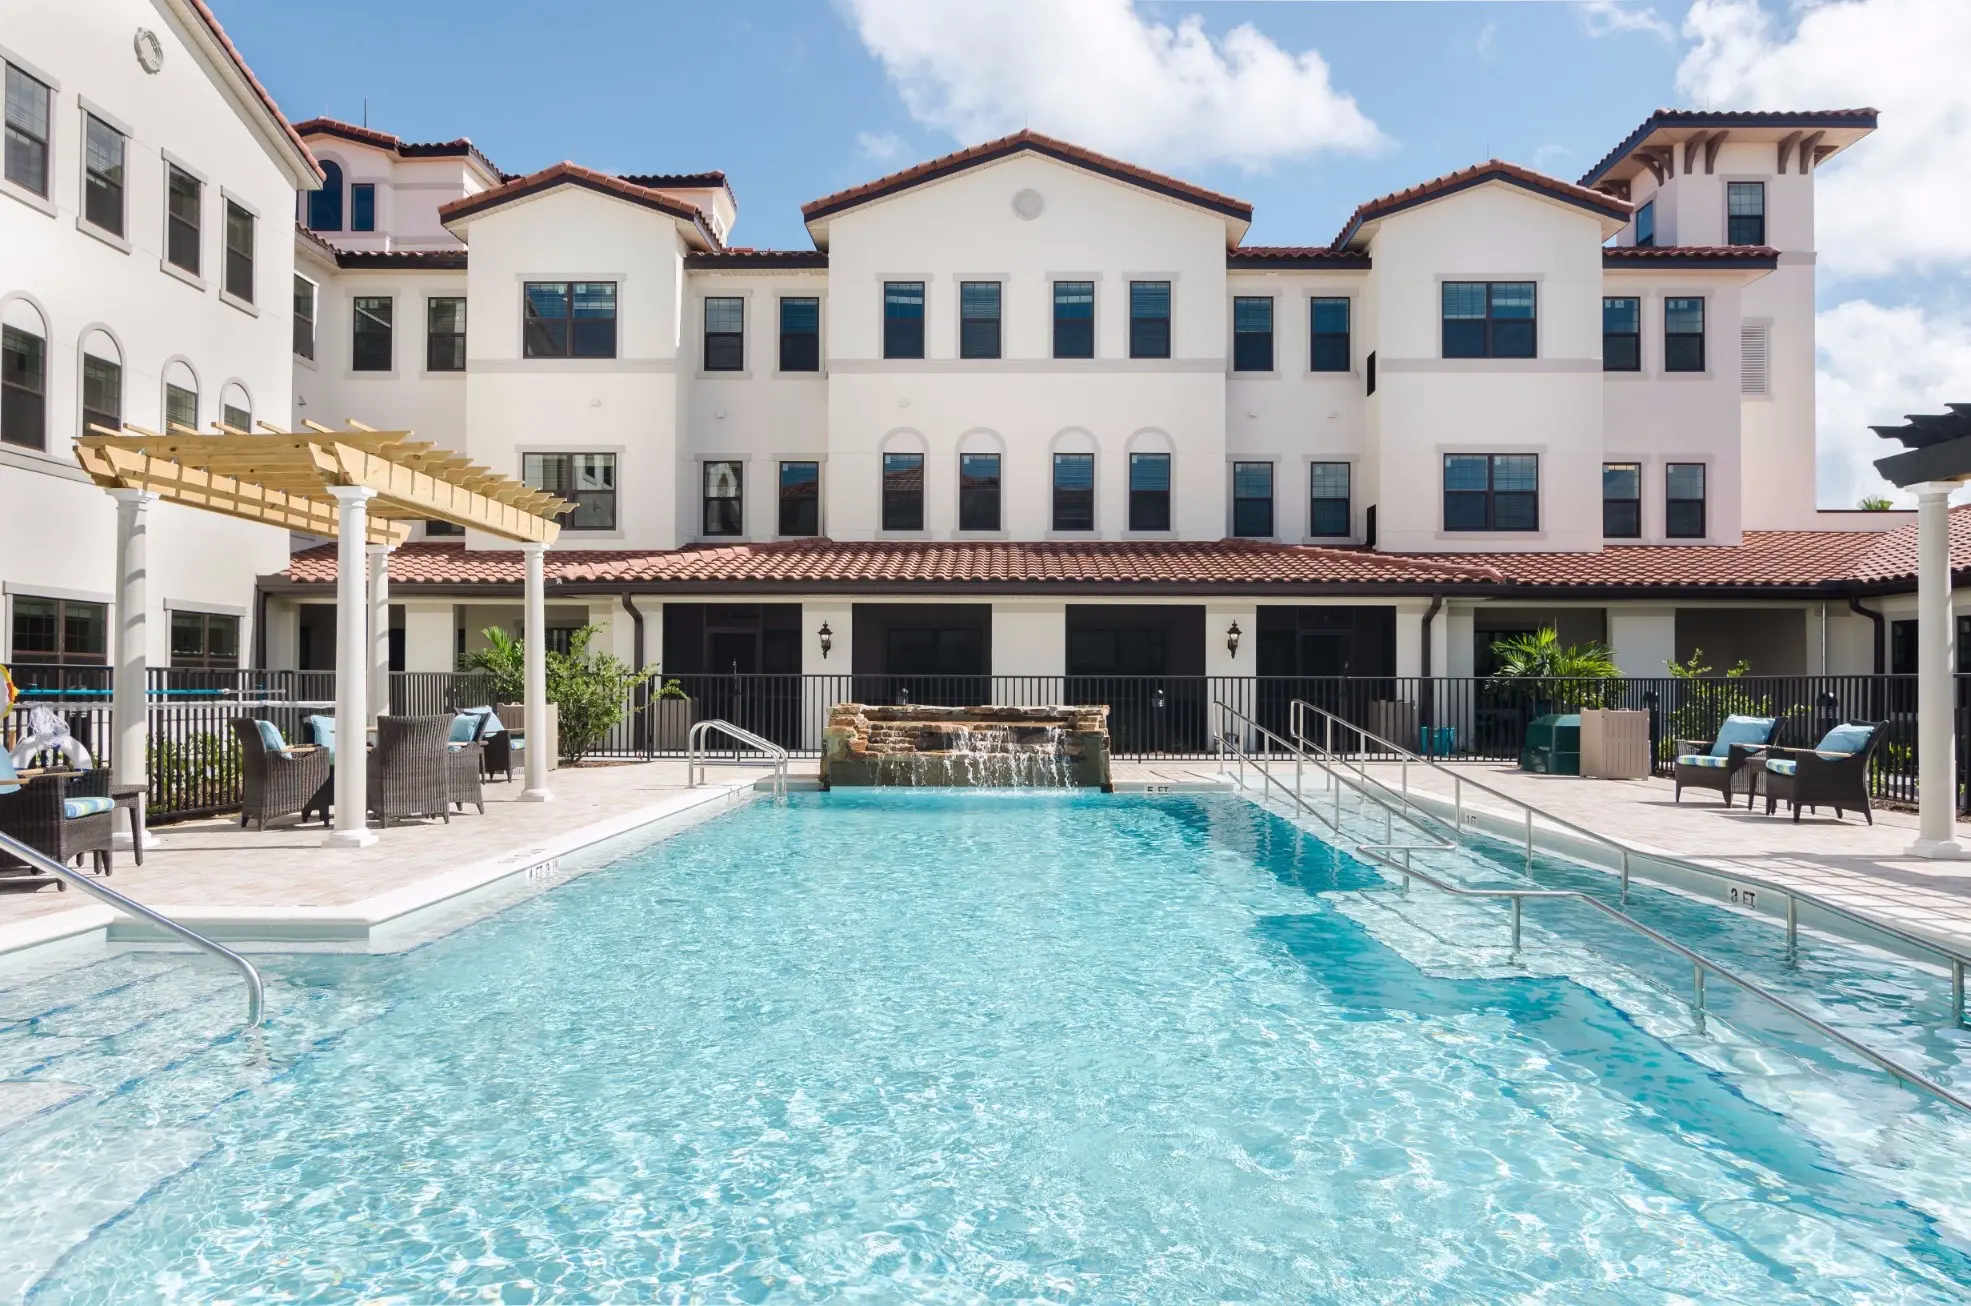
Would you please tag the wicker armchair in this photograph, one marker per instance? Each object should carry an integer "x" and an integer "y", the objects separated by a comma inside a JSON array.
[
  {"x": 498, "y": 744},
  {"x": 277, "y": 783},
  {"x": 1833, "y": 774},
  {"x": 63, "y": 815},
  {"x": 1718, "y": 763},
  {"x": 465, "y": 759},
  {"x": 410, "y": 768}
]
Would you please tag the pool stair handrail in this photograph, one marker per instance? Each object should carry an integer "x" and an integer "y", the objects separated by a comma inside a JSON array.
[
  {"x": 1626, "y": 853},
  {"x": 1397, "y": 859},
  {"x": 256, "y": 993},
  {"x": 695, "y": 751}
]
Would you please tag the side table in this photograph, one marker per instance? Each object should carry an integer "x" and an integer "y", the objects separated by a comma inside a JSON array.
[{"x": 130, "y": 798}]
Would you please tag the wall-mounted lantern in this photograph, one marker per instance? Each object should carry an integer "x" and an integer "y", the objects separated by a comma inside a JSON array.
[
  {"x": 827, "y": 638},
  {"x": 1232, "y": 639}
]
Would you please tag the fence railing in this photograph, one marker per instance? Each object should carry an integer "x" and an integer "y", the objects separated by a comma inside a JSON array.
[{"x": 194, "y": 764}]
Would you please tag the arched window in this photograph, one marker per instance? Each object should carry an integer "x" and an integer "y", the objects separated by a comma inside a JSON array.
[
  {"x": 180, "y": 396},
  {"x": 102, "y": 381},
  {"x": 236, "y": 407},
  {"x": 23, "y": 376},
  {"x": 325, "y": 205}
]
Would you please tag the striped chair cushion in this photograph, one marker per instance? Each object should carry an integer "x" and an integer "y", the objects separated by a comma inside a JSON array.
[
  {"x": 74, "y": 807},
  {"x": 1703, "y": 759},
  {"x": 1782, "y": 765}
]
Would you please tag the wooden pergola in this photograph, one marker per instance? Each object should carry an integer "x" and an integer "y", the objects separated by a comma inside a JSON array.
[{"x": 359, "y": 484}]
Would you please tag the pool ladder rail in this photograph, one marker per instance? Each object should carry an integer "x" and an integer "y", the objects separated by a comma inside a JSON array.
[
  {"x": 1397, "y": 858},
  {"x": 256, "y": 993},
  {"x": 696, "y": 752}
]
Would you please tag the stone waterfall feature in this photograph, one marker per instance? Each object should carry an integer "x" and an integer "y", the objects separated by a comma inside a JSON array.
[{"x": 1026, "y": 747}]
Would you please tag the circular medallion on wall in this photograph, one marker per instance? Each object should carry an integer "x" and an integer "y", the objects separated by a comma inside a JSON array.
[
  {"x": 1028, "y": 204},
  {"x": 150, "y": 50}
]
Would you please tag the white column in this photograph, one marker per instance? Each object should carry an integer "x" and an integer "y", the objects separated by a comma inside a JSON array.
[
  {"x": 379, "y": 626},
  {"x": 130, "y": 688},
  {"x": 352, "y": 660},
  {"x": 1935, "y": 658},
  {"x": 534, "y": 641}
]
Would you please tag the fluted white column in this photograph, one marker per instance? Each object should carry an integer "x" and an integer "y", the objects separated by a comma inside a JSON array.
[
  {"x": 352, "y": 659},
  {"x": 1936, "y": 639},
  {"x": 535, "y": 646},
  {"x": 379, "y": 626},
  {"x": 130, "y": 685}
]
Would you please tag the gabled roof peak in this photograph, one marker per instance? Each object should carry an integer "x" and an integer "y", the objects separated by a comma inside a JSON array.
[
  {"x": 1479, "y": 174},
  {"x": 574, "y": 174}
]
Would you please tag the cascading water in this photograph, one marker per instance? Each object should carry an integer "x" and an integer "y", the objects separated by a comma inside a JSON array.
[{"x": 998, "y": 747}]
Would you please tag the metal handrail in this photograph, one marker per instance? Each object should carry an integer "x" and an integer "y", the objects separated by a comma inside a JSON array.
[
  {"x": 694, "y": 752},
  {"x": 1383, "y": 854},
  {"x": 1956, "y": 960},
  {"x": 256, "y": 993}
]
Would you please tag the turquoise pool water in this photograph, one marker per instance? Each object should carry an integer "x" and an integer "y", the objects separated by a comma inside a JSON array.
[{"x": 941, "y": 1047}]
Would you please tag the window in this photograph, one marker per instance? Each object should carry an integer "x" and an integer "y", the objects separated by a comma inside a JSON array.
[
  {"x": 1491, "y": 492},
  {"x": 1621, "y": 335},
  {"x": 800, "y": 335},
  {"x": 1683, "y": 501},
  {"x": 60, "y": 631},
  {"x": 1327, "y": 507},
  {"x": 239, "y": 253},
  {"x": 800, "y": 498},
  {"x": 903, "y": 325},
  {"x": 27, "y": 132},
  {"x": 1328, "y": 334},
  {"x": 1369, "y": 373},
  {"x": 1754, "y": 358},
  {"x": 102, "y": 393},
  {"x": 362, "y": 206},
  {"x": 444, "y": 334},
  {"x": 725, "y": 334},
  {"x": 1149, "y": 492},
  {"x": 180, "y": 407},
  {"x": 724, "y": 507},
  {"x": 304, "y": 317},
  {"x": 588, "y": 480},
  {"x": 1252, "y": 498},
  {"x": 205, "y": 639},
  {"x": 978, "y": 491},
  {"x": 445, "y": 529},
  {"x": 1745, "y": 213},
  {"x": 1074, "y": 319},
  {"x": 102, "y": 174},
  {"x": 1489, "y": 319},
  {"x": 1252, "y": 334},
  {"x": 1646, "y": 224},
  {"x": 978, "y": 319},
  {"x": 903, "y": 485},
  {"x": 372, "y": 351},
  {"x": 1621, "y": 501},
  {"x": 184, "y": 203},
  {"x": 1683, "y": 335},
  {"x": 1074, "y": 491},
  {"x": 240, "y": 419},
  {"x": 325, "y": 205},
  {"x": 23, "y": 389},
  {"x": 1149, "y": 319},
  {"x": 569, "y": 319}
]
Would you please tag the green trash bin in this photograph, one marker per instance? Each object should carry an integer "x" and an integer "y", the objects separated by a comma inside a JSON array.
[{"x": 1553, "y": 745}]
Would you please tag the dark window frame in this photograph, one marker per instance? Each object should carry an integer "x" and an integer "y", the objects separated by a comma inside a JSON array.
[
  {"x": 23, "y": 389},
  {"x": 325, "y": 203},
  {"x": 240, "y": 419},
  {"x": 1683, "y": 351},
  {"x": 1685, "y": 516},
  {"x": 304, "y": 344},
  {"x": 1646, "y": 224},
  {"x": 725, "y": 345},
  {"x": 1074, "y": 329},
  {"x": 1149, "y": 330},
  {"x": 1316, "y": 500},
  {"x": 240, "y": 239},
  {"x": 724, "y": 514},
  {"x": 1621, "y": 351},
  {"x": 598, "y": 503},
  {"x": 903, "y": 319},
  {"x": 1071, "y": 508},
  {"x": 1252, "y": 347},
  {"x": 798, "y": 499},
  {"x": 903, "y": 501},
  {"x": 1492, "y": 497},
  {"x": 203, "y": 657},
  {"x": 444, "y": 351},
  {"x": 1745, "y": 227},
  {"x": 362, "y": 206},
  {"x": 980, "y": 330},
  {"x": 61, "y": 654},
  {"x": 105, "y": 187},
  {"x": 26, "y": 154},
  {"x": 981, "y": 504},
  {"x": 1252, "y": 511},
  {"x": 183, "y": 234},
  {"x": 1621, "y": 515},
  {"x": 185, "y": 402},
  {"x": 569, "y": 333},
  {"x": 1338, "y": 356},
  {"x": 99, "y": 415},
  {"x": 375, "y": 349},
  {"x": 1497, "y": 332},
  {"x": 1150, "y": 505},
  {"x": 800, "y": 350}
]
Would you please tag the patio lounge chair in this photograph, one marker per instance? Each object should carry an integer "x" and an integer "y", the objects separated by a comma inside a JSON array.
[
  {"x": 465, "y": 759},
  {"x": 410, "y": 768},
  {"x": 1833, "y": 773},
  {"x": 63, "y": 815},
  {"x": 500, "y": 745},
  {"x": 278, "y": 778},
  {"x": 1717, "y": 763}
]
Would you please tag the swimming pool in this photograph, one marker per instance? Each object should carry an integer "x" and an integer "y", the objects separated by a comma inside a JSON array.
[{"x": 944, "y": 1046}]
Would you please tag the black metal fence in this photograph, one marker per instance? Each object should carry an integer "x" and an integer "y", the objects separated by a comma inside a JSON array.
[{"x": 194, "y": 761}]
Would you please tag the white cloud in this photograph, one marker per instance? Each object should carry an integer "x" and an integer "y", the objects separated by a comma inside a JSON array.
[
  {"x": 1098, "y": 73},
  {"x": 1897, "y": 201},
  {"x": 1549, "y": 155},
  {"x": 881, "y": 147},
  {"x": 1876, "y": 366},
  {"x": 1486, "y": 36},
  {"x": 1607, "y": 17}
]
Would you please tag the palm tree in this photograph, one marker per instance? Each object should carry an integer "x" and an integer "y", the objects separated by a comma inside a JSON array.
[{"x": 1579, "y": 675}]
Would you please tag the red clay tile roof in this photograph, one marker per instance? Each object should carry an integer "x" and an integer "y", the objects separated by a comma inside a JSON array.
[
  {"x": 267, "y": 101},
  {"x": 438, "y": 260},
  {"x": 741, "y": 257},
  {"x": 675, "y": 180},
  {"x": 574, "y": 174},
  {"x": 1765, "y": 559},
  {"x": 1892, "y": 557},
  {"x": 1477, "y": 175},
  {"x": 1805, "y": 118},
  {"x": 1691, "y": 256},
  {"x": 976, "y": 155},
  {"x": 460, "y": 148},
  {"x": 1294, "y": 256}
]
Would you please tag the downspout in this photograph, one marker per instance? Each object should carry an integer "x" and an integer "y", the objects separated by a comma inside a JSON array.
[
  {"x": 1428, "y": 691},
  {"x": 1881, "y": 659},
  {"x": 640, "y": 720}
]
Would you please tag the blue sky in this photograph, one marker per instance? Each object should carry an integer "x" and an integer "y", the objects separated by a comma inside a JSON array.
[{"x": 1306, "y": 109}]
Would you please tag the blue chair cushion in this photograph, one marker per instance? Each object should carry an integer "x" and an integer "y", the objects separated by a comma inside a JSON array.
[
  {"x": 324, "y": 728},
  {"x": 1845, "y": 739},
  {"x": 1706, "y": 760},
  {"x": 9, "y": 777},
  {"x": 517, "y": 744},
  {"x": 1782, "y": 765},
  {"x": 270, "y": 737},
  {"x": 74, "y": 807},
  {"x": 464, "y": 726},
  {"x": 1742, "y": 730},
  {"x": 493, "y": 722}
]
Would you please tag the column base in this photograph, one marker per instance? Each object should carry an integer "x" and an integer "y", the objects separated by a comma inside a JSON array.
[
  {"x": 1939, "y": 850},
  {"x": 350, "y": 839},
  {"x": 121, "y": 840},
  {"x": 536, "y": 796}
]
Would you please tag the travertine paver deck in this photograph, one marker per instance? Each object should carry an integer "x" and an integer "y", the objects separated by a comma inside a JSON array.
[{"x": 214, "y": 863}]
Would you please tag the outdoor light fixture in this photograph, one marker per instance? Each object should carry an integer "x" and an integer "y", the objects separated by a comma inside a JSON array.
[
  {"x": 827, "y": 638},
  {"x": 1232, "y": 639}
]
